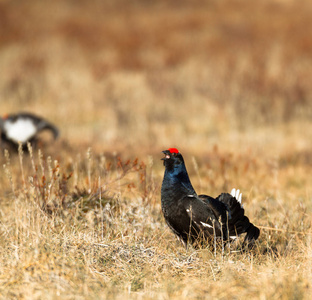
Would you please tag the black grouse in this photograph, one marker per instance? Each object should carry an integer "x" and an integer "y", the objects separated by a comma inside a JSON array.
[
  {"x": 199, "y": 218},
  {"x": 23, "y": 128}
]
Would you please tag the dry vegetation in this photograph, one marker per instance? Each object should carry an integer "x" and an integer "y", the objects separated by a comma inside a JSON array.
[{"x": 226, "y": 82}]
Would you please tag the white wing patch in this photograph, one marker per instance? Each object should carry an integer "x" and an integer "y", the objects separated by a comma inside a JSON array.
[
  {"x": 20, "y": 131},
  {"x": 189, "y": 210},
  {"x": 237, "y": 194},
  {"x": 206, "y": 225}
]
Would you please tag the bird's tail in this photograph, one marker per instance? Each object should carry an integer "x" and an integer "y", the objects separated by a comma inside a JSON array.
[
  {"x": 252, "y": 233},
  {"x": 44, "y": 125},
  {"x": 237, "y": 222}
]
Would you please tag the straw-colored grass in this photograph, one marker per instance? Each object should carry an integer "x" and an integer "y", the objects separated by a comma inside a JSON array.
[{"x": 226, "y": 82}]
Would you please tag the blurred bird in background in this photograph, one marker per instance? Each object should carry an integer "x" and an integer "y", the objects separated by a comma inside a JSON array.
[{"x": 23, "y": 128}]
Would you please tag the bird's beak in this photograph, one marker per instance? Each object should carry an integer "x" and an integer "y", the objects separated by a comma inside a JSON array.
[{"x": 167, "y": 155}]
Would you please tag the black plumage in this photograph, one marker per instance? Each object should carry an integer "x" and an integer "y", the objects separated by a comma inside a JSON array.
[
  {"x": 199, "y": 218},
  {"x": 23, "y": 128}
]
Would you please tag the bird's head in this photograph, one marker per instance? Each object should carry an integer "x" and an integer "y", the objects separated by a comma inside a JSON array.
[
  {"x": 173, "y": 158},
  {"x": 2, "y": 119}
]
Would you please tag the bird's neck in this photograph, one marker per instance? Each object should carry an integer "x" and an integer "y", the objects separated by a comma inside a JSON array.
[{"x": 177, "y": 182}]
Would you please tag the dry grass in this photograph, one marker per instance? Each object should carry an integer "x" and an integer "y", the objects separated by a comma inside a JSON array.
[{"x": 226, "y": 82}]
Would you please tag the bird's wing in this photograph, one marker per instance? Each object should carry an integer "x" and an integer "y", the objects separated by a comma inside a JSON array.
[
  {"x": 202, "y": 215},
  {"x": 219, "y": 209}
]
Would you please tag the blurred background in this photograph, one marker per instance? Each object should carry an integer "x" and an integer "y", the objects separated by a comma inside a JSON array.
[
  {"x": 227, "y": 82},
  {"x": 141, "y": 76}
]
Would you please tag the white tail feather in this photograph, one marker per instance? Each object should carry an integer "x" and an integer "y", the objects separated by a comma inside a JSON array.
[{"x": 237, "y": 195}]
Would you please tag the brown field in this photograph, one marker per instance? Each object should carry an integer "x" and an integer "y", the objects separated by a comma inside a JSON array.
[{"x": 226, "y": 82}]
